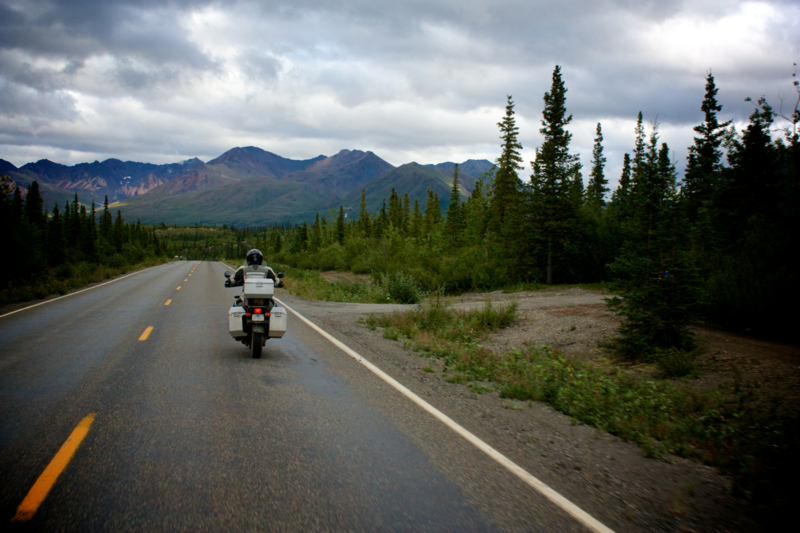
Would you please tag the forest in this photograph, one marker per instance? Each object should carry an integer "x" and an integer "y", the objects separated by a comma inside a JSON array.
[
  {"x": 715, "y": 247},
  {"x": 55, "y": 252}
]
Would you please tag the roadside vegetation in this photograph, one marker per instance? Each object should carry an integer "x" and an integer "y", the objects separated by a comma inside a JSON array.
[
  {"x": 728, "y": 427},
  {"x": 55, "y": 252}
]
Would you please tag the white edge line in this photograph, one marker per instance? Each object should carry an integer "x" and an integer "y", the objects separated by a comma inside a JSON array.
[
  {"x": 573, "y": 510},
  {"x": 82, "y": 290}
]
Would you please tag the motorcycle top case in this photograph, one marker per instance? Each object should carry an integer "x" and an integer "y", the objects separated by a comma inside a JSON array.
[
  {"x": 277, "y": 322},
  {"x": 258, "y": 287},
  {"x": 235, "y": 326}
]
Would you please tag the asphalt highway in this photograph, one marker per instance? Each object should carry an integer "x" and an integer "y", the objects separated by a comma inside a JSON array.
[{"x": 191, "y": 433}]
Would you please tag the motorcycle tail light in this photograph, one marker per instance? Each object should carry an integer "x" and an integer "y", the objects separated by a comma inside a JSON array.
[{"x": 257, "y": 311}]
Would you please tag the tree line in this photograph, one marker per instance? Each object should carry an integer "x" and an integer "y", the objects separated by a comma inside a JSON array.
[
  {"x": 43, "y": 245},
  {"x": 715, "y": 247}
]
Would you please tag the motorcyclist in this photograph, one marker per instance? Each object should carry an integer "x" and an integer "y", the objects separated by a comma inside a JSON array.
[{"x": 255, "y": 260}]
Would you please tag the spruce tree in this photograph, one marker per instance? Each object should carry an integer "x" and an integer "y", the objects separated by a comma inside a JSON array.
[
  {"x": 34, "y": 206},
  {"x": 406, "y": 213},
  {"x": 704, "y": 162},
  {"x": 638, "y": 163},
  {"x": 315, "y": 243},
  {"x": 597, "y": 189},
  {"x": 752, "y": 187},
  {"x": 119, "y": 232},
  {"x": 106, "y": 223},
  {"x": 416, "y": 221},
  {"x": 364, "y": 225},
  {"x": 55, "y": 239},
  {"x": 657, "y": 283},
  {"x": 381, "y": 221},
  {"x": 340, "y": 226},
  {"x": 621, "y": 196},
  {"x": 555, "y": 198},
  {"x": 506, "y": 190},
  {"x": 453, "y": 222},
  {"x": 432, "y": 212}
]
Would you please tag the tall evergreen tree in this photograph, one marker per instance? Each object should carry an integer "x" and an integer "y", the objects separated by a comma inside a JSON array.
[
  {"x": 56, "y": 244},
  {"x": 119, "y": 231},
  {"x": 639, "y": 160},
  {"x": 106, "y": 223},
  {"x": 433, "y": 213},
  {"x": 416, "y": 221},
  {"x": 453, "y": 223},
  {"x": 363, "y": 215},
  {"x": 381, "y": 221},
  {"x": 620, "y": 198},
  {"x": 597, "y": 189},
  {"x": 506, "y": 190},
  {"x": 340, "y": 226},
  {"x": 704, "y": 162},
  {"x": 555, "y": 203},
  {"x": 34, "y": 207},
  {"x": 315, "y": 242},
  {"x": 657, "y": 282},
  {"x": 752, "y": 187},
  {"x": 406, "y": 213}
]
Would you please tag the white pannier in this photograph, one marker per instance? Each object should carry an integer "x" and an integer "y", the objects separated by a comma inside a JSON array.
[
  {"x": 235, "y": 322},
  {"x": 277, "y": 322}
]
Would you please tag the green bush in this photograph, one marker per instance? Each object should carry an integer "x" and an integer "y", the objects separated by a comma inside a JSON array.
[
  {"x": 674, "y": 362},
  {"x": 401, "y": 288}
]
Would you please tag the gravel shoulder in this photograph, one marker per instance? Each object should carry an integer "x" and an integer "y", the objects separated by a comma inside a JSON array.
[{"x": 609, "y": 478}]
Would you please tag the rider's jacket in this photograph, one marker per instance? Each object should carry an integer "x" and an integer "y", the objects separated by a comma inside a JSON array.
[{"x": 238, "y": 276}]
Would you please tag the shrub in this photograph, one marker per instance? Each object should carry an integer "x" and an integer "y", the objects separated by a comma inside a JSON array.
[
  {"x": 674, "y": 362},
  {"x": 401, "y": 288}
]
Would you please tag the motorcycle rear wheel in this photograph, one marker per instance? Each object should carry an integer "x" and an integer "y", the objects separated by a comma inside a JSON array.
[{"x": 255, "y": 345}]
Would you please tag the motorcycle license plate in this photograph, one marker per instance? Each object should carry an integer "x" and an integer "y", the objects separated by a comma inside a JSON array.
[{"x": 258, "y": 318}]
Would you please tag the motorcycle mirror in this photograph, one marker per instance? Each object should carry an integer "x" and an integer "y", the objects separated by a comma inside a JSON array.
[
  {"x": 280, "y": 275},
  {"x": 227, "y": 274}
]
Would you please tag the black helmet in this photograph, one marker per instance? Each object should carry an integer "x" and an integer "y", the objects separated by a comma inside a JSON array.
[{"x": 254, "y": 257}]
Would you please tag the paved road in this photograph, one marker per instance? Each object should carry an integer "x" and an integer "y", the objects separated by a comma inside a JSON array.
[{"x": 192, "y": 434}]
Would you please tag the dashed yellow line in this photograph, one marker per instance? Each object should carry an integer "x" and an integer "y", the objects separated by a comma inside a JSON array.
[
  {"x": 178, "y": 288},
  {"x": 168, "y": 302},
  {"x": 39, "y": 491},
  {"x": 186, "y": 279},
  {"x": 146, "y": 333}
]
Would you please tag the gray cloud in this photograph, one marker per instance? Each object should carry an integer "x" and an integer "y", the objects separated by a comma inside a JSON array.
[{"x": 420, "y": 79}]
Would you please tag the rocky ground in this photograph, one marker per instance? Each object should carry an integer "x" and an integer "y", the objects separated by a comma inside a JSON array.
[{"x": 672, "y": 494}]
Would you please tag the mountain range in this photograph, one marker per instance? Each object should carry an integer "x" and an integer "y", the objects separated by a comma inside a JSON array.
[{"x": 243, "y": 186}]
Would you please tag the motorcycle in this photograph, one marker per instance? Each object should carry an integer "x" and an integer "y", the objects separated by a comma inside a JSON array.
[{"x": 254, "y": 317}]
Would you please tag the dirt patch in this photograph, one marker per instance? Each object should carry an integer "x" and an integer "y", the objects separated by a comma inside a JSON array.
[{"x": 575, "y": 320}]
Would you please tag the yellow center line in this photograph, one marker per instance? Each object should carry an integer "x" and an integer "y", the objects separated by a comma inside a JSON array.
[
  {"x": 39, "y": 491},
  {"x": 168, "y": 302},
  {"x": 178, "y": 289},
  {"x": 186, "y": 279},
  {"x": 146, "y": 333}
]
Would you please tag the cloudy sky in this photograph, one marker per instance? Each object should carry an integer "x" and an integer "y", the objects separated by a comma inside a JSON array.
[{"x": 411, "y": 80}]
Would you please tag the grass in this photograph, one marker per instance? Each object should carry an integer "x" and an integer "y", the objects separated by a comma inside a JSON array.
[
  {"x": 310, "y": 285},
  {"x": 756, "y": 444},
  {"x": 61, "y": 280}
]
